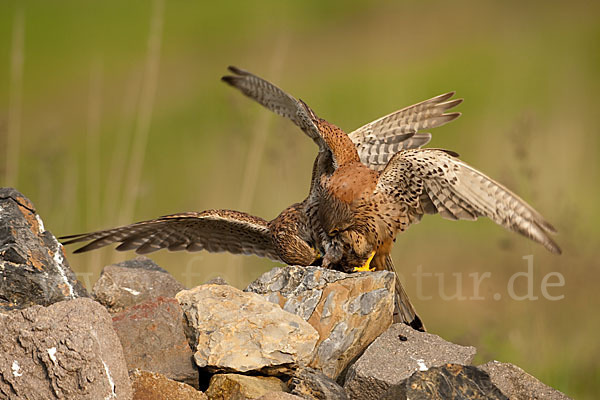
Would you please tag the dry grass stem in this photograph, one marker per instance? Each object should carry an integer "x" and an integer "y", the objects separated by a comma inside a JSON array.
[
  {"x": 92, "y": 170},
  {"x": 13, "y": 139},
  {"x": 144, "y": 114},
  {"x": 122, "y": 143}
]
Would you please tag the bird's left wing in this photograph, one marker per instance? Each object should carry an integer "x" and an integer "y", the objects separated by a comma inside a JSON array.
[
  {"x": 433, "y": 180},
  {"x": 212, "y": 230},
  {"x": 276, "y": 100}
]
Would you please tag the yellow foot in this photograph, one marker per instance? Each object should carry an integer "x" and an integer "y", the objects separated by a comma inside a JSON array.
[{"x": 367, "y": 266}]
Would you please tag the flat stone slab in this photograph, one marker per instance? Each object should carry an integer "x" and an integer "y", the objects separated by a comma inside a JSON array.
[
  {"x": 68, "y": 350},
  {"x": 348, "y": 310},
  {"x": 234, "y": 331},
  {"x": 518, "y": 384},
  {"x": 396, "y": 355}
]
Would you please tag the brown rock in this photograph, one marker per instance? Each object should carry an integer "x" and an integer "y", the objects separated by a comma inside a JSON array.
[
  {"x": 242, "y": 387},
  {"x": 348, "y": 310},
  {"x": 153, "y": 339},
  {"x": 449, "y": 381},
  {"x": 33, "y": 267},
  {"x": 133, "y": 282},
  {"x": 67, "y": 350},
  {"x": 518, "y": 384},
  {"x": 312, "y": 384},
  {"x": 395, "y": 356},
  {"x": 154, "y": 386},
  {"x": 237, "y": 331}
]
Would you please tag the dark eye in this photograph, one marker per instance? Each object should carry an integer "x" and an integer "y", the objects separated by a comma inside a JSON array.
[{"x": 334, "y": 232}]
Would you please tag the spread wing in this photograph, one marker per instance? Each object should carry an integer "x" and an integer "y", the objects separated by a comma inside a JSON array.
[
  {"x": 275, "y": 99},
  {"x": 377, "y": 141},
  {"x": 433, "y": 180},
  {"x": 212, "y": 230}
]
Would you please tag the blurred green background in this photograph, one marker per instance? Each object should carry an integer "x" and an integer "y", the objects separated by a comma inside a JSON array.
[{"x": 116, "y": 114}]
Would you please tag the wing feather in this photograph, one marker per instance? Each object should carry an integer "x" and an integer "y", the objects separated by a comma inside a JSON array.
[
  {"x": 212, "y": 230},
  {"x": 377, "y": 141},
  {"x": 442, "y": 183}
]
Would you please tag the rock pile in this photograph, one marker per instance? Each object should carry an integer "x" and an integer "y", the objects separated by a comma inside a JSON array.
[{"x": 294, "y": 333}]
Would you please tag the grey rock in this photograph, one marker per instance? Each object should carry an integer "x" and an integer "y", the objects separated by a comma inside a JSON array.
[
  {"x": 133, "y": 282},
  {"x": 153, "y": 339},
  {"x": 395, "y": 356},
  {"x": 141, "y": 263},
  {"x": 216, "y": 281},
  {"x": 450, "y": 381},
  {"x": 234, "y": 386},
  {"x": 33, "y": 267},
  {"x": 233, "y": 331},
  {"x": 309, "y": 383},
  {"x": 66, "y": 350},
  {"x": 348, "y": 310},
  {"x": 154, "y": 386},
  {"x": 518, "y": 384}
]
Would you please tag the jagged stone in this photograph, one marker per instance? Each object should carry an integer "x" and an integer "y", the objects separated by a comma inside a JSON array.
[
  {"x": 348, "y": 310},
  {"x": 395, "y": 356},
  {"x": 234, "y": 386},
  {"x": 66, "y": 350},
  {"x": 154, "y": 386},
  {"x": 518, "y": 384},
  {"x": 153, "y": 339},
  {"x": 449, "y": 381},
  {"x": 236, "y": 331},
  {"x": 312, "y": 384},
  {"x": 133, "y": 282},
  {"x": 33, "y": 267}
]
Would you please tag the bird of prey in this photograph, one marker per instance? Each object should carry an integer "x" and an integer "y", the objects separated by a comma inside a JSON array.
[{"x": 361, "y": 200}]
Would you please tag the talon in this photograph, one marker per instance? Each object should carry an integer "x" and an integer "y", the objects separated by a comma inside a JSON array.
[{"x": 366, "y": 266}]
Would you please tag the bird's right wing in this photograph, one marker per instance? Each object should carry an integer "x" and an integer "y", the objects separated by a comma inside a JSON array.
[
  {"x": 434, "y": 180},
  {"x": 212, "y": 230},
  {"x": 377, "y": 141}
]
